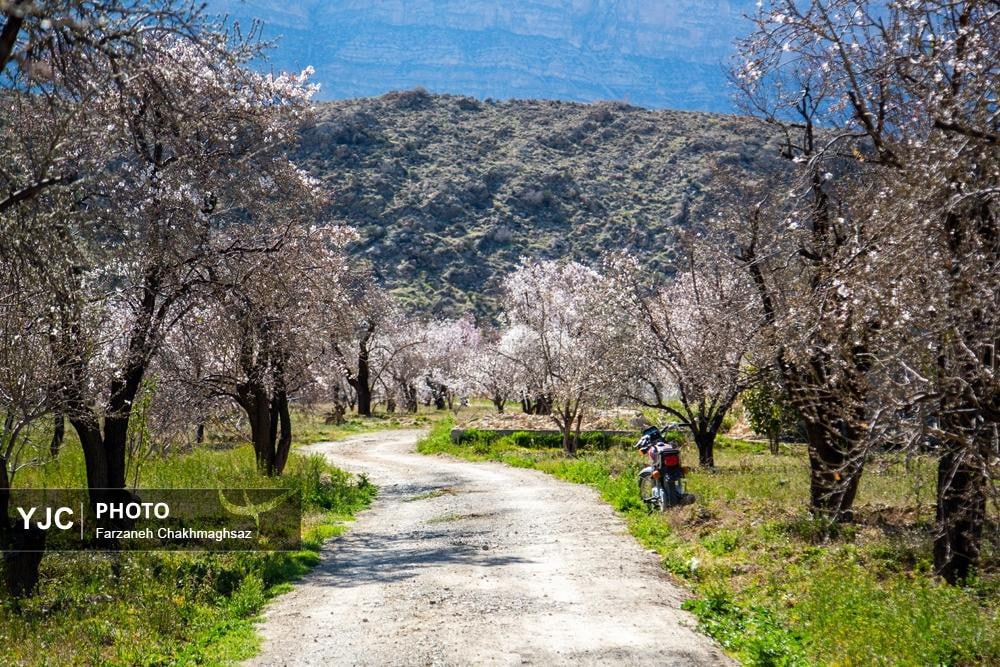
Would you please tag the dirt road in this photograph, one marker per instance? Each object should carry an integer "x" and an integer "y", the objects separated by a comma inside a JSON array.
[{"x": 463, "y": 563}]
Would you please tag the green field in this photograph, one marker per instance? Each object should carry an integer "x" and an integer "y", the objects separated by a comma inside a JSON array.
[
  {"x": 174, "y": 608},
  {"x": 773, "y": 586},
  {"x": 776, "y": 587}
]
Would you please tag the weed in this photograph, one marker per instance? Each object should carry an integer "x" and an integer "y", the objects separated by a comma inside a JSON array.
[
  {"x": 434, "y": 493},
  {"x": 170, "y": 608},
  {"x": 721, "y": 543},
  {"x": 775, "y": 586}
]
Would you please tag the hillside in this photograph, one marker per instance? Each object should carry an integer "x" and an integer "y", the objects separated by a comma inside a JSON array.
[
  {"x": 656, "y": 53},
  {"x": 449, "y": 192}
]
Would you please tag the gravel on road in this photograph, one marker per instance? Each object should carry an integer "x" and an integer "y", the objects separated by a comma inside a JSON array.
[{"x": 460, "y": 563}]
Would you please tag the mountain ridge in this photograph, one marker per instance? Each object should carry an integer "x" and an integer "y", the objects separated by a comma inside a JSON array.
[
  {"x": 661, "y": 54},
  {"x": 449, "y": 192}
]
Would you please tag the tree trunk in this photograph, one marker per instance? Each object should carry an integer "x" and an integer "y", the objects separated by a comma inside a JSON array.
[
  {"x": 104, "y": 450},
  {"x": 541, "y": 405},
  {"x": 22, "y": 558},
  {"x": 5, "y": 525},
  {"x": 362, "y": 383},
  {"x": 95, "y": 461},
  {"x": 705, "y": 425},
  {"x": 364, "y": 399},
  {"x": 20, "y": 567},
  {"x": 498, "y": 403},
  {"x": 199, "y": 434},
  {"x": 410, "y": 398},
  {"x": 576, "y": 433},
  {"x": 270, "y": 423},
  {"x": 961, "y": 512},
  {"x": 704, "y": 440},
  {"x": 968, "y": 407},
  {"x": 774, "y": 440},
  {"x": 58, "y": 433},
  {"x": 565, "y": 421},
  {"x": 125, "y": 388},
  {"x": 439, "y": 395},
  {"x": 104, "y": 453},
  {"x": 115, "y": 445},
  {"x": 255, "y": 402},
  {"x": 116, "y": 420},
  {"x": 283, "y": 445},
  {"x": 4, "y": 501},
  {"x": 835, "y": 466},
  {"x": 831, "y": 412}
]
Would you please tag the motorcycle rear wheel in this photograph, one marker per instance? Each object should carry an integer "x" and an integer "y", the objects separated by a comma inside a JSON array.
[
  {"x": 646, "y": 486},
  {"x": 672, "y": 493},
  {"x": 663, "y": 500}
]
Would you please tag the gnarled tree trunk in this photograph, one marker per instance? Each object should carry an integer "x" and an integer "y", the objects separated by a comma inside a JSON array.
[
  {"x": 283, "y": 438},
  {"x": 270, "y": 426},
  {"x": 969, "y": 406},
  {"x": 58, "y": 433},
  {"x": 835, "y": 465},
  {"x": 961, "y": 513},
  {"x": 22, "y": 548},
  {"x": 832, "y": 405},
  {"x": 253, "y": 398},
  {"x": 104, "y": 450},
  {"x": 410, "y": 403},
  {"x": 705, "y": 442},
  {"x": 540, "y": 404},
  {"x": 361, "y": 384}
]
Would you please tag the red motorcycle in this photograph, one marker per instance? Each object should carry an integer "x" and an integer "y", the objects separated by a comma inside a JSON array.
[{"x": 661, "y": 484}]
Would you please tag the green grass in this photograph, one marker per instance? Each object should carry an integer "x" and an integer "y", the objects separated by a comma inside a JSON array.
[
  {"x": 436, "y": 493},
  {"x": 775, "y": 587},
  {"x": 172, "y": 608},
  {"x": 476, "y": 439},
  {"x": 310, "y": 426}
]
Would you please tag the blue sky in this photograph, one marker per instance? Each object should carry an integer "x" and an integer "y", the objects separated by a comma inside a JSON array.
[{"x": 656, "y": 53}]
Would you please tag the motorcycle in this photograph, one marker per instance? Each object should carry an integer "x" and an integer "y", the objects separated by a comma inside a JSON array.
[{"x": 661, "y": 484}]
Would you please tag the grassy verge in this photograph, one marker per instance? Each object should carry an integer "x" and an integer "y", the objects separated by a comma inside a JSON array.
[
  {"x": 311, "y": 426},
  {"x": 775, "y": 587},
  {"x": 167, "y": 608}
]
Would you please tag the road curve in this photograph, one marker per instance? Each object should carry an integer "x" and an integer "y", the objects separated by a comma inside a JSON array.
[{"x": 460, "y": 563}]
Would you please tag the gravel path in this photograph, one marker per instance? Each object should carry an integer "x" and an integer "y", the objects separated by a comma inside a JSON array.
[{"x": 462, "y": 563}]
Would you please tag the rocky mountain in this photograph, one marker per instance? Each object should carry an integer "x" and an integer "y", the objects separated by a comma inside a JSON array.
[
  {"x": 450, "y": 192},
  {"x": 654, "y": 53}
]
